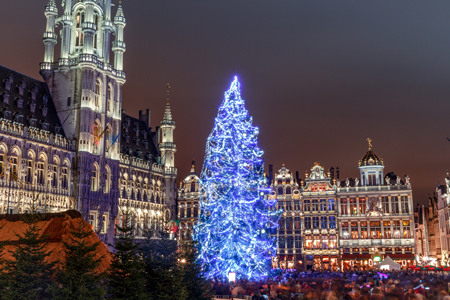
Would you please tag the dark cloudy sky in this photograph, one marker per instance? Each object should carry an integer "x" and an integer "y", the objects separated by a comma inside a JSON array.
[{"x": 319, "y": 77}]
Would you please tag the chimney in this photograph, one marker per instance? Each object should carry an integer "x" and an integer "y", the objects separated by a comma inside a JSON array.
[
  {"x": 297, "y": 177},
  {"x": 337, "y": 173},
  {"x": 270, "y": 173},
  {"x": 145, "y": 117},
  {"x": 332, "y": 172}
]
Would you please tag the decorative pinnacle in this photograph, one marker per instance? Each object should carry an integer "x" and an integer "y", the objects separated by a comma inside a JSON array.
[
  {"x": 193, "y": 167},
  {"x": 370, "y": 143},
  {"x": 168, "y": 92}
]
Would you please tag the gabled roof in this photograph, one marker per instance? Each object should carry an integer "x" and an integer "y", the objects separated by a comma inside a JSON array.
[
  {"x": 57, "y": 227},
  {"x": 27, "y": 101},
  {"x": 137, "y": 139}
]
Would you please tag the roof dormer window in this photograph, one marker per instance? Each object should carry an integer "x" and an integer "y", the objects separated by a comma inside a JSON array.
[
  {"x": 21, "y": 87},
  {"x": 8, "y": 82}
]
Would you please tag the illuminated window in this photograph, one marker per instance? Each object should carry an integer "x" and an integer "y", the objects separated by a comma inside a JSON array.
[
  {"x": 94, "y": 178},
  {"x": 323, "y": 204},
  {"x": 110, "y": 96},
  {"x": 315, "y": 205},
  {"x": 332, "y": 222},
  {"x": 316, "y": 223},
  {"x": 354, "y": 230},
  {"x": 306, "y": 205},
  {"x": 324, "y": 242},
  {"x": 405, "y": 206},
  {"x": 316, "y": 241},
  {"x": 40, "y": 173},
  {"x": 387, "y": 229},
  {"x": 344, "y": 206},
  {"x": 363, "y": 225},
  {"x": 353, "y": 207},
  {"x": 385, "y": 205},
  {"x": 97, "y": 93},
  {"x": 406, "y": 229},
  {"x": 345, "y": 234},
  {"x": 107, "y": 180},
  {"x": 331, "y": 206},
  {"x": 395, "y": 206},
  {"x": 297, "y": 223},
  {"x": 308, "y": 242},
  {"x": 362, "y": 205},
  {"x": 29, "y": 178},
  {"x": 375, "y": 229},
  {"x": 104, "y": 223},
  {"x": 324, "y": 222},
  {"x": 307, "y": 221}
]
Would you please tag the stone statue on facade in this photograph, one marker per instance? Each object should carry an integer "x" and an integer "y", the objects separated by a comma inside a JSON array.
[{"x": 356, "y": 181}]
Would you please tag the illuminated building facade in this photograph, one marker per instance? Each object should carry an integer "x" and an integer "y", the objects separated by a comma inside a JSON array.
[
  {"x": 289, "y": 235},
  {"x": 375, "y": 216},
  {"x": 67, "y": 141},
  {"x": 188, "y": 206},
  {"x": 319, "y": 220}
]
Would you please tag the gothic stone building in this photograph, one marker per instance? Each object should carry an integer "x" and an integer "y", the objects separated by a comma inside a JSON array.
[{"x": 66, "y": 143}]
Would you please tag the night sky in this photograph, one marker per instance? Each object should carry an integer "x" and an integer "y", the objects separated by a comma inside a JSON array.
[{"x": 318, "y": 77}]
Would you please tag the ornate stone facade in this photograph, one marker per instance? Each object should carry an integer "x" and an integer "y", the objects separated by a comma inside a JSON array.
[
  {"x": 188, "y": 206},
  {"x": 67, "y": 140}
]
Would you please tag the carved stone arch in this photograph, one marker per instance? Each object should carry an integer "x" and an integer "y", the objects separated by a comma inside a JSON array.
[
  {"x": 56, "y": 160},
  {"x": 31, "y": 154},
  {"x": 15, "y": 150},
  {"x": 42, "y": 156},
  {"x": 3, "y": 148},
  {"x": 66, "y": 162}
]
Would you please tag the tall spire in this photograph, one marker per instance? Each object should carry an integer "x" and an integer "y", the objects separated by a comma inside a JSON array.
[
  {"x": 168, "y": 112},
  {"x": 120, "y": 10}
]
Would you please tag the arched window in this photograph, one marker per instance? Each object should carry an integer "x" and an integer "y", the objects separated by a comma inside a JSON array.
[
  {"x": 110, "y": 97},
  {"x": 94, "y": 178},
  {"x": 40, "y": 171},
  {"x": 64, "y": 176},
  {"x": 2, "y": 161},
  {"x": 288, "y": 190},
  {"x": 97, "y": 93},
  {"x": 280, "y": 190},
  {"x": 192, "y": 187},
  {"x": 107, "y": 180},
  {"x": 78, "y": 30}
]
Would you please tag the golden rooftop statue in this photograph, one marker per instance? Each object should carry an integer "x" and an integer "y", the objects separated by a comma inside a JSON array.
[{"x": 370, "y": 143}]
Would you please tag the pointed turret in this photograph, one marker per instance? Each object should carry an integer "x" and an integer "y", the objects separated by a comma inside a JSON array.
[
  {"x": 167, "y": 146},
  {"x": 119, "y": 46},
  {"x": 51, "y": 12}
]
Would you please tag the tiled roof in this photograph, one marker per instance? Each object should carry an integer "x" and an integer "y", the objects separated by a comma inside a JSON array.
[
  {"x": 27, "y": 101},
  {"x": 57, "y": 228},
  {"x": 137, "y": 139}
]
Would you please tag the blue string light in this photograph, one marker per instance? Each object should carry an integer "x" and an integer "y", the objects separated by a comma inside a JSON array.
[{"x": 236, "y": 218}]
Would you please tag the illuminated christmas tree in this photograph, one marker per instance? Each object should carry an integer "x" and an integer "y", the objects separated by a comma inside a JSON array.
[{"x": 236, "y": 217}]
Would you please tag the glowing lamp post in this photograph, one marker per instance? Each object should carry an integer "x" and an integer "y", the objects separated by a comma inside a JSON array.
[{"x": 232, "y": 276}]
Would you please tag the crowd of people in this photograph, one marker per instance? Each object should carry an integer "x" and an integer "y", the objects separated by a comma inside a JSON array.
[{"x": 360, "y": 285}]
